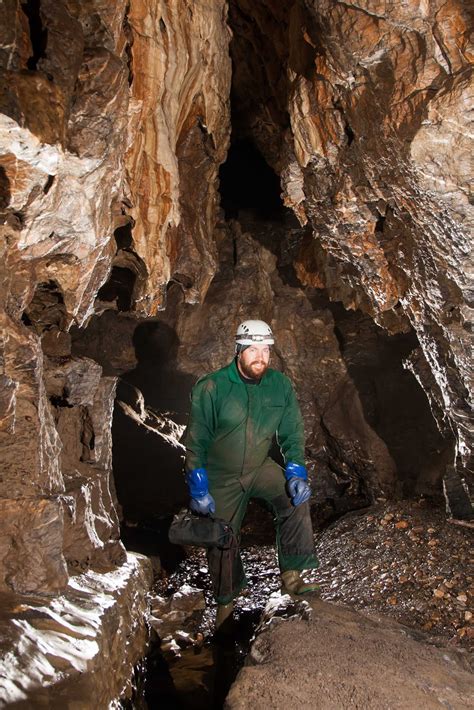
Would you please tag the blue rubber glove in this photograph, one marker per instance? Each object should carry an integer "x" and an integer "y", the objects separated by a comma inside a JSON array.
[
  {"x": 298, "y": 490},
  {"x": 201, "y": 500},
  {"x": 295, "y": 470}
]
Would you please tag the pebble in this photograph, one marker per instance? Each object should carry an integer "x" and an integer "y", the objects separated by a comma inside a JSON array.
[{"x": 423, "y": 588}]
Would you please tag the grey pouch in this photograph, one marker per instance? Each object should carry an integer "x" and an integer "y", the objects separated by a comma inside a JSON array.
[{"x": 188, "y": 528}]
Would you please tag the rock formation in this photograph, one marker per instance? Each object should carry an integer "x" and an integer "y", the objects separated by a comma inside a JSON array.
[
  {"x": 114, "y": 121},
  {"x": 369, "y": 129}
]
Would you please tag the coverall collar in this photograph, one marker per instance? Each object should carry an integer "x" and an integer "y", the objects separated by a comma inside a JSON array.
[{"x": 234, "y": 375}]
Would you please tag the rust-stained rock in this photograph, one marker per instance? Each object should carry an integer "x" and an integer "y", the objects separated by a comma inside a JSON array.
[
  {"x": 375, "y": 160},
  {"x": 114, "y": 120},
  {"x": 110, "y": 116},
  {"x": 62, "y": 181},
  {"x": 177, "y": 140}
]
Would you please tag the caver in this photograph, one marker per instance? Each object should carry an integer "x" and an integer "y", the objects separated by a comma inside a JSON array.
[{"x": 235, "y": 413}]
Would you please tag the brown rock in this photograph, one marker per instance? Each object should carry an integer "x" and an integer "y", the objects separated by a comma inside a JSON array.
[
  {"x": 31, "y": 546},
  {"x": 402, "y": 525},
  {"x": 56, "y": 343},
  {"x": 74, "y": 381}
]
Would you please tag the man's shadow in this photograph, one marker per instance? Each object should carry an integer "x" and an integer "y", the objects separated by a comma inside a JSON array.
[{"x": 151, "y": 411}]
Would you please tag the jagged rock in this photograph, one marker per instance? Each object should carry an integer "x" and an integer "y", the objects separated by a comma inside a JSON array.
[
  {"x": 91, "y": 532},
  {"x": 458, "y": 499},
  {"x": 177, "y": 614},
  {"x": 78, "y": 646},
  {"x": 30, "y": 456},
  {"x": 114, "y": 119},
  {"x": 374, "y": 159},
  {"x": 350, "y": 459},
  {"x": 73, "y": 381},
  {"x": 177, "y": 140},
  {"x": 31, "y": 544},
  {"x": 56, "y": 343}
]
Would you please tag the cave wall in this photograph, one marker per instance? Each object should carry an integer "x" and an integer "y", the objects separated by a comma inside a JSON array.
[
  {"x": 369, "y": 129},
  {"x": 99, "y": 154},
  {"x": 114, "y": 121}
]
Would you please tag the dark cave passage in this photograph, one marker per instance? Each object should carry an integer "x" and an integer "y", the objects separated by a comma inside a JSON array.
[{"x": 248, "y": 182}]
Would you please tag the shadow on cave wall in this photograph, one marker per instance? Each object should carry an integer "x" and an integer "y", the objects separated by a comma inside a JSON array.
[
  {"x": 394, "y": 404},
  {"x": 148, "y": 471}
]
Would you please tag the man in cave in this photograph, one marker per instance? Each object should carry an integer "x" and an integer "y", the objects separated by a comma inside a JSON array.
[{"x": 235, "y": 413}]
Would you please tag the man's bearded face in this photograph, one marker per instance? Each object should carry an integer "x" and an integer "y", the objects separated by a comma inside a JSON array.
[{"x": 253, "y": 361}]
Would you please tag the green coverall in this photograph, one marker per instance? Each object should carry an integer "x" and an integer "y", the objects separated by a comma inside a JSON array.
[{"x": 230, "y": 431}]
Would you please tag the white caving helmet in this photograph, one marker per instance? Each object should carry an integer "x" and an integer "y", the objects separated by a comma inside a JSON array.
[{"x": 253, "y": 331}]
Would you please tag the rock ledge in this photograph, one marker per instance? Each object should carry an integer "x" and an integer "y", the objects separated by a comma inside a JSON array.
[{"x": 76, "y": 649}]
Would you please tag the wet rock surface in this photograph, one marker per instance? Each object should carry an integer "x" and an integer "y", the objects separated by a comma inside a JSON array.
[
  {"x": 360, "y": 127},
  {"x": 407, "y": 561},
  {"x": 114, "y": 119},
  {"x": 78, "y": 648}
]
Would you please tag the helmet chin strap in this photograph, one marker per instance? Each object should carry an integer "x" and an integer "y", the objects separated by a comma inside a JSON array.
[{"x": 239, "y": 349}]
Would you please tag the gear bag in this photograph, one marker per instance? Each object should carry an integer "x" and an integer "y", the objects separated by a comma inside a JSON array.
[{"x": 201, "y": 531}]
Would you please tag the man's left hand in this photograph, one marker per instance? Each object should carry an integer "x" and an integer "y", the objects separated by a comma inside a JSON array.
[{"x": 298, "y": 490}]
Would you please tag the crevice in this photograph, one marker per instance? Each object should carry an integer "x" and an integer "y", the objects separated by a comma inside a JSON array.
[
  {"x": 5, "y": 192},
  {"x": 123, "y": 236},
  {"x": 128, "y": 46},
  {"x": 48, "y": 184},
  {"x": 61, "y": 401},
  {"x": 379, "y": 225},
  {"x": 349, "y": 133},
  {"x": 38, "y": 33},
  {"x": 119, "y": 288},
  {"x": 46, "y": 308}
]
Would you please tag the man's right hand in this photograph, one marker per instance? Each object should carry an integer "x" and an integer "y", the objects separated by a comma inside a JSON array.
[
  {"x": 201, "y": 500},
  {"x": 203, "y": 505}
]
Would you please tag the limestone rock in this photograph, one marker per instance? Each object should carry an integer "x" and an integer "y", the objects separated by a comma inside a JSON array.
[
  {"x": 31, "y": 447},
  {"x": 31, "y": 543},
  {"x": 177, "y": 140},
  {"x": 339, "y": 439},
  {"x": 81, "y": 644},
  {"x": 375, "y": 160},
  {"x": 72, "y": 381},
  {"x": 281, "y": 667}
]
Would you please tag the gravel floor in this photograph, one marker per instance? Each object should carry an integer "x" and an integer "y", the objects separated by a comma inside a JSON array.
[{"x": 405, "y": 560}]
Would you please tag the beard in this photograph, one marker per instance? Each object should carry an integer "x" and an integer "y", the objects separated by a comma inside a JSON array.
[{"x": 254, "y": 370}]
